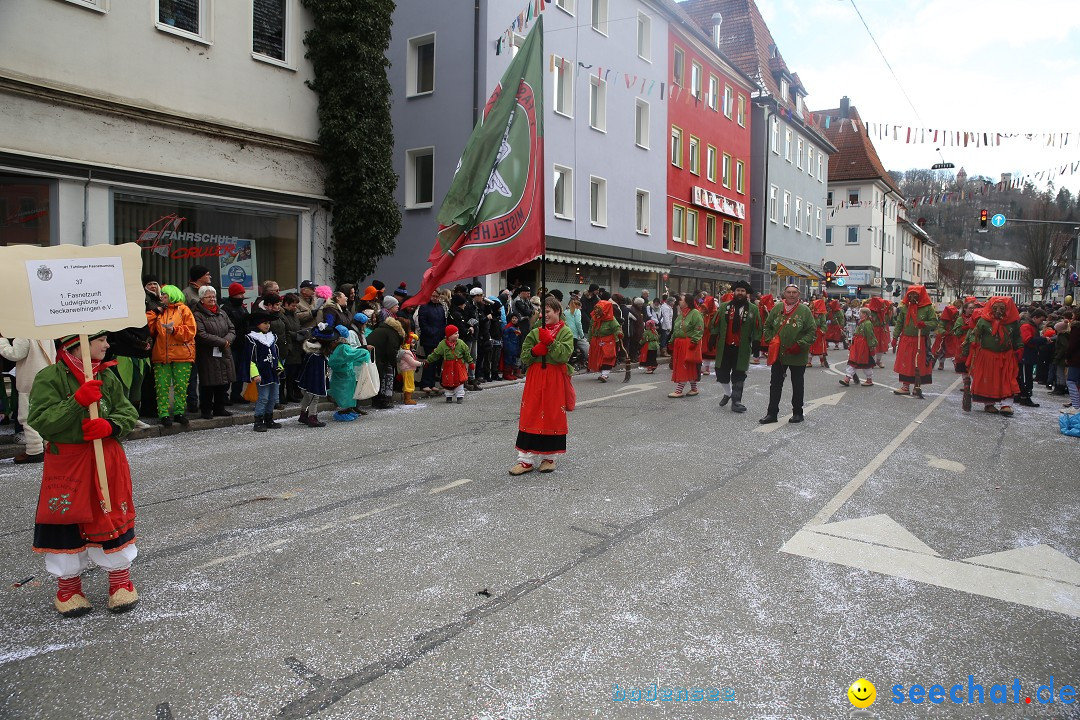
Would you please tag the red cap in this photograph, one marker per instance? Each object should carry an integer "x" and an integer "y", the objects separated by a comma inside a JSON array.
[
  {"x": 370, "y": 293},
  {"x": 450, "y": 330},
  {"x": 236, "y": 289}
]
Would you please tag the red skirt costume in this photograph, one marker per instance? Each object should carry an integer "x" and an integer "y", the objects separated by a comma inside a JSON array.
[
  {"x": 914, "y": 362},
  {"x": 859, "y": 355},
  {"x": 685, "y": 361},
  {"x": 547, "y": 397},
  {"x": 602, "y": 352},
  {"x": 834, "y": 332},
  {"x": 993, "y": 375},
  {"x": 454, "y": 373},
  {"x": 70, "y": 513},
  {"x": 820, "y": 346},
  {"x": 881, "y": 327},
  {"x": 947, "y": 345}
]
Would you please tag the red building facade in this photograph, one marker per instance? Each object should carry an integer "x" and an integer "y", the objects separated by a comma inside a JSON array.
[{"x": 708, "y": 181}]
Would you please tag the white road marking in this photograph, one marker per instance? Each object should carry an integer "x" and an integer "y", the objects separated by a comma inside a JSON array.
[
  {"x": 620, "y": 393},
  {"x": 848, "y": 490},
  {"x": 815, "y": 403},
  {"x": 1037, "y": 576},
  {"x": 261, "y": 548},
  {"x": 943, "y": 464},
  {"x": 447, "y": 487},
  {"x": 989, "y": 582}
]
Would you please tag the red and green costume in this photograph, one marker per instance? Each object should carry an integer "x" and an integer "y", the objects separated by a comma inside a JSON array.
[
  {"x": 834, "y": 329},
  {"x": 993, "y": 345},
  {"x": 548, "y": 393},
  {"x": 914, "y": 324},
  {"x": 819, "y": 347},
  {"x": 685, "y": 344},
  {"x": 604, "y": 335},
  {"x": 863, "y": 344}
]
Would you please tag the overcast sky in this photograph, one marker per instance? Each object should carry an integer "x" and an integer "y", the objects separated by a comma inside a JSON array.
[{"x": 986, "y": 66}]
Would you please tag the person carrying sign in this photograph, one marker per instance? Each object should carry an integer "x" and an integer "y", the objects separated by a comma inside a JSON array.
[{"x": 71, "y": 526}]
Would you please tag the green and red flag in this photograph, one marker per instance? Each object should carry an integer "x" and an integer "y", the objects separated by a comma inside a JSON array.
[{"x": 492, "y": 217}]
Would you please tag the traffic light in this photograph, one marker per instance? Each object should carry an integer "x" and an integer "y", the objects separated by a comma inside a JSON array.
[
  {"x": 982, "y": 219},
  {"x": 828, "y": 279}
]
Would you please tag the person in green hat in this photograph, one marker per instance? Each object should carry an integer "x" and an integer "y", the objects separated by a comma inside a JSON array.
[{"x": 71, "y": 527}]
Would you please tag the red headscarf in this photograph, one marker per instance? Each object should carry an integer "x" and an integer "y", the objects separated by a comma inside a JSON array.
[
  {"x": 606, "y": 310},
  {"x": 818, "y": 306},
  {"x": 949, "y": 313},
  {"x": 767, "y": 301},
  {"x": 709, "y": 303},
  {"x": 1012, "y": 315},
  {"x": 834, "y": 305},
  {"x": 727, "y": 297}
]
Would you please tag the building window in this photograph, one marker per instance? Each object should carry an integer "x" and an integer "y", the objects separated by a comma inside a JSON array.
[
  {"x": 695, "y": 79},
  {"x": 787, "y": 209},
  {"x": 516, "y": 44},
  {"x": 695, "y": 155},
  {"x": 737, "y": 239},
  {"x": 725, "y": 170},
  {"x": 774, "y": 140},
  {"x": 740, "y": 173},
  {"x": 710, "y": 232},
  {"x": 678, "y": 221},
  {"x": 598, "y": 201},
  {"x": 597, "y": 103},
  {"x": 820, "y": 163},
  {"x": 419, "y": 177},
  {"x": 98, "y": 5},
  {"x": 691, "y": 227},
  {"x": 564, "y": 86},
  {"x": 677, "y": 66},
  {"x": 564, "y": 192},
  {"x": 567, "y": 5},
  {"x": 641, "y": 207},
  {"x": 714, "y": 92},
  {"x": 726, "y": 241},
  {"x": 828, "y": 236},
  {"x": 644, "y": 36},
  {"x": 853, "y": 196},
  {"x": 798, "y": 214},
  {"x": 828, "y": 199},
  {"x": 787, "y": 144},
  {"x": 774, "y": 192},
  {"x": 819, "y": 223},
  {"x": 810, "y": 160},
  {"x": 641, "y": 124},
  {"x": 740, "y": 115},
  {"x": 852, "y": 235},
  {"x": 185, "y": 17},
  {"x": 798, "y": 157},
  {"x": 599, "y": 16},
  {"x": 420, "y": 66},
  {"x": 26, "y": 212},
  {"x": 710, "y": 163},
  {"x": 676, "y": 146},
  {"x": 268, "y": 21},
  {"x": 728, "y": 101},
  {"x": 784, "y": 89},
  {"x": 809, "y": 218}
]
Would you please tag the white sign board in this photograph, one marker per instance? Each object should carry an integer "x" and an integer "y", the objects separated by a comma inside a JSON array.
[
  {"x": 1038, "y": 282},
  {"x": 81, "y": 290},
  {"x": 1037, "y": 294}
]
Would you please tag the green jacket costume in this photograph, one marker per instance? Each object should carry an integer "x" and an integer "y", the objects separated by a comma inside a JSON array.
[
  {"x": 608, "y": 327},
  {"x": 983, "y": 335},
  {"x": 749, "y": 333},
  {"x": 801, "y": 330},
  {"x": 866, "y": 329},
  {"x": 651, "y": 339},
  {"x": 460, "y": 351},
  {"x": 691, "y": 325},
  {"x": 926, "y": 314},
  {"x": 559, "y": 351},
  {"x": 57, "y": 416}
]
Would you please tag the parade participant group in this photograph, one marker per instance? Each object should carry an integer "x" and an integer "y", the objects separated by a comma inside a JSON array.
[{"x": 350, "y": 346}]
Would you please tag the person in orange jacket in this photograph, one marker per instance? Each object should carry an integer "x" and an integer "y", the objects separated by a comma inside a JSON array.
[{"x": 173, "y": 330}]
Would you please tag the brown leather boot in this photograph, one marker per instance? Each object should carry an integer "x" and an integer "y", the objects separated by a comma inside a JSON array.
[{"x": 408, "y": 399}]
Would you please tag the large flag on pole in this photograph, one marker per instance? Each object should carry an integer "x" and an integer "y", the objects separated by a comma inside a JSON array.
[{"x": 492, "y": 217}]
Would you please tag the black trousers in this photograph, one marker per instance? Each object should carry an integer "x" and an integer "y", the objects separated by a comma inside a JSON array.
[
  {"x": 725, "y": 368},
  {"x": 212, "y": 398},
  {"x": 1025, "y": 378},
  {"x": 776, "y": 386}
]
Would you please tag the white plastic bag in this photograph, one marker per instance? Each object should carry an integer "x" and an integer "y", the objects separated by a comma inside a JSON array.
[{"x": 367, "y": 385}]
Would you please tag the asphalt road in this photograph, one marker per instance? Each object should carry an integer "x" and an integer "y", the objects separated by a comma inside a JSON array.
[{"x": 391, "y": 568}]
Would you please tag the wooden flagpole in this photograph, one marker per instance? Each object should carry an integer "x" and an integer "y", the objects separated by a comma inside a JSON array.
[{"x": 99, "y": 451}]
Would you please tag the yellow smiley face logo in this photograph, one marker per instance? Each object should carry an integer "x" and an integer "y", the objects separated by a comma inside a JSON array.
[{"x": 862, "y": 693}]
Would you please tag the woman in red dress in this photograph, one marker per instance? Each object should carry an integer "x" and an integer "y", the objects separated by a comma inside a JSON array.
[
  {"x": 820, "y": 348},
  {"x": 708, "y": 347},
  {"x": 548, "y": 393},
  {"x": 685, "y": 346}
]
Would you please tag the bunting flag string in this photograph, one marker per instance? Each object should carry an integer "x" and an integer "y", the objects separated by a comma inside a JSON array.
[
  {"x": 520, "y": 25},
  {"x": 910, "y": 135}
]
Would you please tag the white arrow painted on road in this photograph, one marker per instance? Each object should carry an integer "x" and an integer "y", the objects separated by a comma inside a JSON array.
[{"x": 815, "y": 403}]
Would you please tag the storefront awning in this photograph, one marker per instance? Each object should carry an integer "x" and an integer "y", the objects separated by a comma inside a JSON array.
[
  {"x": 699, "y": 262},
  {"x": 596, "y": 261},
  {"x": 788, "y": 268}
]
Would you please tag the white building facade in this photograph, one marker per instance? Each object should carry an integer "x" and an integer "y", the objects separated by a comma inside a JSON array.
[{"x": 183, "y": 125}]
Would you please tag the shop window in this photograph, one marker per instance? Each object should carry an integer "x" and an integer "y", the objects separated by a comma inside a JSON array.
[
  {"x": 25, "y": 214},
  {"x": 243, "y": 245}
]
